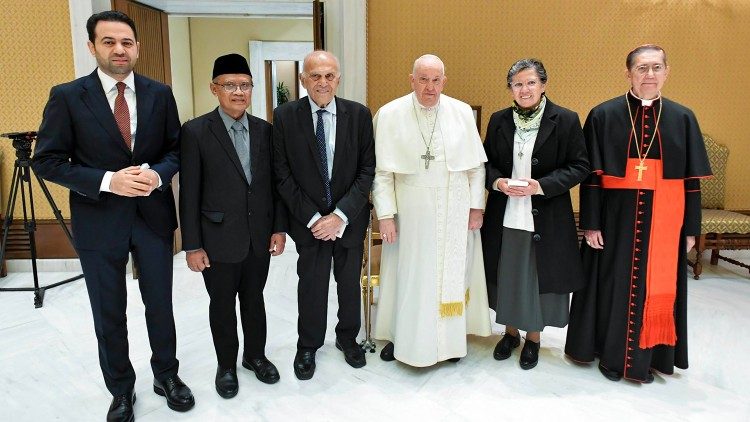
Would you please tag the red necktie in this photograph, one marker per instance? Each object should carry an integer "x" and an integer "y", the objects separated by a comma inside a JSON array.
[{"x": 122, "y": 114}]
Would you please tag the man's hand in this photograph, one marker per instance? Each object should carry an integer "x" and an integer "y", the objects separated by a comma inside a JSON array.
[
  {"x": 388, "y": 231},
  {"x": 594, "y": 239},
  {"x": 689, "y": 242},
  {"x": 476, "y": 217},
  {"x": 198, "y": 260},
  {"x": 276, "y": 247},
  {"x": 327, "y": 226},
  {"x": 131, "y": 181}
]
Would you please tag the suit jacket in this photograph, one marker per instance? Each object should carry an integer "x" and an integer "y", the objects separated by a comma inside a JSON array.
[
  {"x": 299, "y": 172},
  {"x": 219, "y": 211},
  {"x": 559, "y": 162},
  {"x": 79, "y": 141}
]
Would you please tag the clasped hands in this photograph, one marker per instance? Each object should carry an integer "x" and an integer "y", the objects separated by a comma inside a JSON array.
[
  {"x": 327, "y": 227},
  {"x": 134, "y": 181},
  {"x": 531, "y": 189}
]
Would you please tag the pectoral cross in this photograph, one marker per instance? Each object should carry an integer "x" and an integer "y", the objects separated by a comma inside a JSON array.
[
  {"x": 641, "y": 168},
  {"x": 427, "y": 157}
]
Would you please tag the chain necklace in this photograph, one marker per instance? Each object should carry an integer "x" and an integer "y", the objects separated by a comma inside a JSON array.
[
  {"x": 524, "y": 141},
  {"x": 642, "y": 157},
  {"x": 428, "y": 145}
]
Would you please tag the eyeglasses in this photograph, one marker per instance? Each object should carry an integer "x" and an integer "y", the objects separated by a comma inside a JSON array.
[
  {"x": 424, "y": 81},
  {"x": 644, "y": 68},
  {"x": 315, "y": 77},
  {"x": 230, "y": 87},
  {"x": 516, "y": 86}
]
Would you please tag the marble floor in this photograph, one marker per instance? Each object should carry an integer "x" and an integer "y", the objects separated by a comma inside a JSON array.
[{"x": 49, "y": 368}]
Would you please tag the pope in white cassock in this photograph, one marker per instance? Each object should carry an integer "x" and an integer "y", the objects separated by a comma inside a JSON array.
[{"x": 429, "y": 198}]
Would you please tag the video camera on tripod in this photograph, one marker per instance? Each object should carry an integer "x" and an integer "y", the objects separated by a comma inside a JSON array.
[{"x": 22, "y": 171}]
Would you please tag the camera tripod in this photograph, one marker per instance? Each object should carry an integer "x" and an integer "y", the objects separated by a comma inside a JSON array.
[{"x": 22, "y": 179}]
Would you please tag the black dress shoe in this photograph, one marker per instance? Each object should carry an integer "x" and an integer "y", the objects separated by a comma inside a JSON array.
[
  {"x": 179, "y": 397},
  {"x": 353, "y": 354},
  {"x": 610, "y": 374},
  {"x": 264, "y": 370},
  {"x": 226, "y": 382},
  {"x": 387, "y": 353},
  {"x": 649, "y": 378},
  {"x": 505, "y": 346},
  {"x": 454, "y": 360},
  {"x": 529, "y": 355},
  {"x": 121, "y": 409},
  {"x": 304, "y": 364}
]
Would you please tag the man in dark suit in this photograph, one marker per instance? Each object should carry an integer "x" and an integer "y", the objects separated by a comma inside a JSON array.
[
  {"x": 228, "y": 213},
  {"x": 324, "y": 160},
  {"x": 117, "y": 156}
]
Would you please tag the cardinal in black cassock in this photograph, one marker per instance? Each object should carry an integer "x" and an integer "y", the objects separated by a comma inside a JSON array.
[{"x": 640, "y": 211}]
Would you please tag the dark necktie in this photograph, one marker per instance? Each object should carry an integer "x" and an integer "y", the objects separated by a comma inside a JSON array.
[
  {"x": 320, "y": 135},
  {"x": 122, "y": 114}
]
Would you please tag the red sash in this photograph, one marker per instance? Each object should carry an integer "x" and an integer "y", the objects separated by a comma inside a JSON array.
[{"x": 664, "y": 243}]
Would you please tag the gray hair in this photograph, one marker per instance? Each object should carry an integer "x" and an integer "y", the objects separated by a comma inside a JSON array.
[
  {"x": 642, "y": 49},
  {"x": 319, "y": 54},
  {"x": 524, "y": 64},
  {"x": 427, "y": 58}
]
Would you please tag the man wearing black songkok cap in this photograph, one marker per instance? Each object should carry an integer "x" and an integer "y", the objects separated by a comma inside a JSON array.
[{"x": 232, "y": 222}]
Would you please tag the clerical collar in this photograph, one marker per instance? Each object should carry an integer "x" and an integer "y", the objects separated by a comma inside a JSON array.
[
  {"x": 645, "y": 103},
  {"x": 425, "y": 108}
]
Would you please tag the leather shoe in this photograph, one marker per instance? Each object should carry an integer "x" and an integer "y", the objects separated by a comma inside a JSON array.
[
  {"x": 226, "y": 382},
  {"x": 387, "y": 353},
  {"x": 264, "y": 370},
  {"x": 179, "y": 397},
  {"x": 353, "y": 354},
  {"x": 610, "y": 374},
  {"x": 649, "y": 377},
  {"x": 529, "y": 354},
  {"x": 121, "y": 409},
  {"x": 304, "y": 364},
  {"x": 505, "y": 346}
]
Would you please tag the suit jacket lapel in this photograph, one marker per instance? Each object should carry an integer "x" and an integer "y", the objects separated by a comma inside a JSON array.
[
  {"x": 254, "y": 130},
  {"x": 508, "y": 130},
  {"x": 342, "y": 135},
  {"x": 547, "y": 125},
  {"x": 94, "y": 98},
  {"x": 144, "y": 106},
  {"x": 222, "y": 137},
  {"x": 304, "y": 114}
]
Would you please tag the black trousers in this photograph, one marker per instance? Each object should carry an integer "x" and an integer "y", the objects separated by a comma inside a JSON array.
[
  {"x": 104, "y": 271},
  {"x": 314, "y": 269},
  {"x": 225, "y": 282}
]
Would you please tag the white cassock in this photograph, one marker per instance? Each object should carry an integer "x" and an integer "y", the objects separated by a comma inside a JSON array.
[{"x": 432, "y": 284}]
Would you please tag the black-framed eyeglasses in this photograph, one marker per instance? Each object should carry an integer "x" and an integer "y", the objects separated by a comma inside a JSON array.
[{"x": 230, "y": 87}]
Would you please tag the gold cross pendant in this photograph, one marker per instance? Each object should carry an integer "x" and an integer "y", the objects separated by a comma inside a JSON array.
[{"x": 641, "y": 168}]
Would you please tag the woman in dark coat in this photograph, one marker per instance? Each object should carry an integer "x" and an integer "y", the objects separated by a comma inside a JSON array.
[{"x": 536, "y": 153}]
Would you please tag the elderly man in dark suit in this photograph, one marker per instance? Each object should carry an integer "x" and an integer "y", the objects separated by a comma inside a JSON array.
[
  {"x": 117, "y": 156},
  {"x": 231, "y": 223},
  {"x": 324, "y": 161}
]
